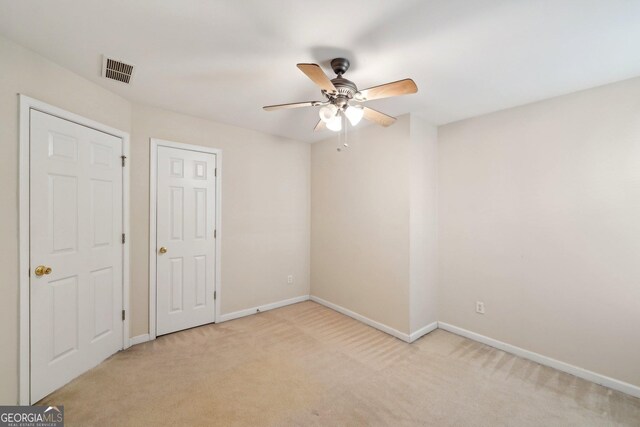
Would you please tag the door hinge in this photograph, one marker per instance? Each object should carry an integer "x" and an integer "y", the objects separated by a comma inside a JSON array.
[
  {"x": 215, "y": 233},
  {"x": 214, "y": 294},
  {"x": 123, "y": 315},
  {"x": 123, "y": 157},
  {"x": 123, "y": 238},
  {"x": 215, "y": 172}
]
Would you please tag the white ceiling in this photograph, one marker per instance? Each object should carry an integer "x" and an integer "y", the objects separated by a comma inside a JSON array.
[{"x": 224, "y": 60}]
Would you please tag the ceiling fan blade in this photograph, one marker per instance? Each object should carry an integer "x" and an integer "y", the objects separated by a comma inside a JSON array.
[
  {"x": 293, "y": 105},
  {"x": 320, "y": 126},
  {"x": 378, "y": 117},
  {"x": 401, "y": 87},
  {"x": 315, "y": 73}
]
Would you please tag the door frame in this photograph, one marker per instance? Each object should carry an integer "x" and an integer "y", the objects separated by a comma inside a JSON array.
[
  {"x": 26, "y": 104},
  {"x": 154, "y": 144}
]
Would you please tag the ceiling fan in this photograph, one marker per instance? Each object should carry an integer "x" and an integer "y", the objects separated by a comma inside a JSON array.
[{"x": 343, "y": 99}]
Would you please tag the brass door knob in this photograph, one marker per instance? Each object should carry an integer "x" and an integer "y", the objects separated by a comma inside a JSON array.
[
  {"x": 163, "y": 250},
  {"x": 42, "y": 269}
]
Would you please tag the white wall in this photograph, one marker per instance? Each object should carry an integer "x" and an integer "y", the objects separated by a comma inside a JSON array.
[
  {"x": 22, "y": 71},
  {"x": 360, "y": 223},
  {"x": 265, "y": 210},
  {"x": 423, "y": 242},
  {"x": 539, "y": 217}
]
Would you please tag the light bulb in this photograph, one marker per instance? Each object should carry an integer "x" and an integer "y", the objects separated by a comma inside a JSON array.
[
  {"x": 327, "y": 112},
  {"x": 335, "y": 124},
  {"x": 354, "y": 114}
]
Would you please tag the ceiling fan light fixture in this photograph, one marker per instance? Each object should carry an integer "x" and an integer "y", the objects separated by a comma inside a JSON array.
[
  {"x": 354, "y": 113},
  {"x": 335, "y": 124},
  {"x": 328, "y": 112}
]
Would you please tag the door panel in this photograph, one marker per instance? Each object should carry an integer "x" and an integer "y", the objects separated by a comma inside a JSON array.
[
  {"x": 64, "y": 316},
  {"x": 185, "y": 218},
  {"x": 75, "y": 228},
  {"x": 102, "y": 297}
]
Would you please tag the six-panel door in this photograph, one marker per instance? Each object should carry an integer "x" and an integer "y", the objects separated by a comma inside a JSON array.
[
  {"x": 75, "y": 229},
  {"x": 185, "y": 253}
]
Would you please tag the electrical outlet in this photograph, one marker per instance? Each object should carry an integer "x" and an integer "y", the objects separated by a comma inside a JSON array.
[
  {"x": 479, "y": 307},
  {"x": 290, "y": 279}
]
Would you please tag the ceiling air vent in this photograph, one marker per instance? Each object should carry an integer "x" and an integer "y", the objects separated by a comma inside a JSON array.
[{"x": 116, "y": 70}]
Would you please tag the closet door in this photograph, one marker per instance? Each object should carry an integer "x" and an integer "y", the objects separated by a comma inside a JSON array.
[{"x": 76, "y": 250}]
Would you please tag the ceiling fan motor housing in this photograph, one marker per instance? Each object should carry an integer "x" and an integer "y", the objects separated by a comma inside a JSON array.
[{"x": 345, "y": 87}]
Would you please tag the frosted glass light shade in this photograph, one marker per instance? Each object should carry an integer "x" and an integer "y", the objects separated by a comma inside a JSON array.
[
  {"x": 354, "y": 114},
  {"x": 335, "y": 124},
  {"x": 327, "y": 112}
]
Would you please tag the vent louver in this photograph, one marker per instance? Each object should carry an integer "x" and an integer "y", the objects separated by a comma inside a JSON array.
[{"x": 116, "y": 70}]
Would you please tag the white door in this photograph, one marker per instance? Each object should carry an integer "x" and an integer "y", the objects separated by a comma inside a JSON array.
[
  {"x": 185, "y": 223},
  {"x": 75, "y": 250}
]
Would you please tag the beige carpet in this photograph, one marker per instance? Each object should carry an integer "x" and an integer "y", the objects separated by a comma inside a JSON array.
[{"x": 308, "y": 365}]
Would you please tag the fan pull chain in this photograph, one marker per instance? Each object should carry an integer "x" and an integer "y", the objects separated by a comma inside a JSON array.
[
  {"x": 338, "y": 148},
  {"x": 345, "y": 124},
  {"x": 346, "y": 136}
]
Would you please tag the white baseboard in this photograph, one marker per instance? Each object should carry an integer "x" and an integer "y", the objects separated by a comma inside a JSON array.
[
  {"x": 380, "y": 326},
  {"x": 547, "y": 361},
  {"x": 261, "y": 308},
  {"x": 423, "y": 331},
  {"x": 138, "y": 339}
]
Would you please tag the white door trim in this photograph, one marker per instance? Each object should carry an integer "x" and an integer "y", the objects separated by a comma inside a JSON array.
[
  {"x": 26, "y": 105},
  {"x": 153, "y": 177}
]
